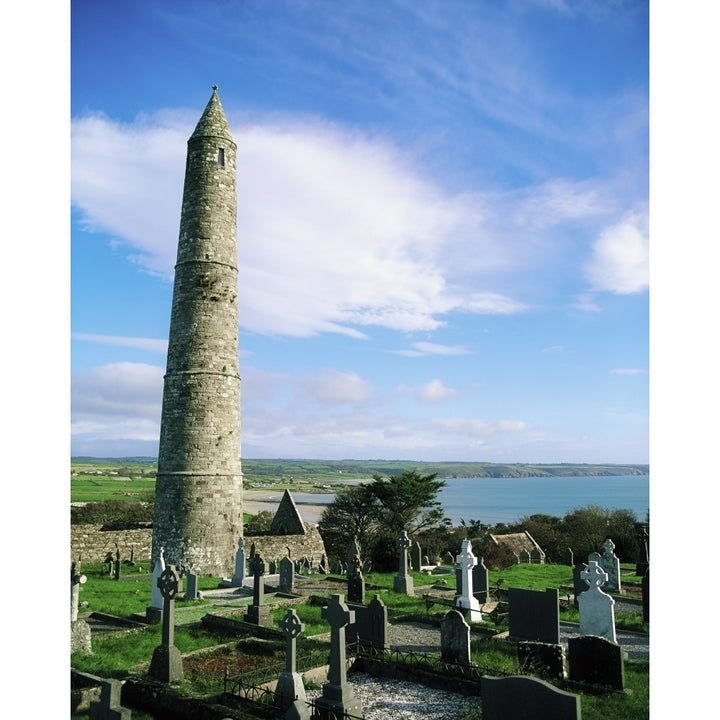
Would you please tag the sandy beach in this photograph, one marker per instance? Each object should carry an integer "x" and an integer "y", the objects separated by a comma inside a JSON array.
[{"x": 254, "y": 501}]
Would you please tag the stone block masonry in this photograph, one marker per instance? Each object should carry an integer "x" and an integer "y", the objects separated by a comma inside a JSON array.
[{"x": 198, "y": 495}]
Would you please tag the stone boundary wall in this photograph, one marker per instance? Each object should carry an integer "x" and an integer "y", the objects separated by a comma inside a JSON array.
[{"x": 94, "y": 542}]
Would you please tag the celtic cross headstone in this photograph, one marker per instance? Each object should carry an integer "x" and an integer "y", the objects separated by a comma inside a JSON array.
[
  {"x": 597, "y": 609},
  {"x": 166, "y": 665},
  {"x": 337, "y": 696},
  {"x": 466, "y": 602},
  {"x": 290, "y": 685},
  {"x": 258, "y": 613},
  {"x": 403, "y": 582}
]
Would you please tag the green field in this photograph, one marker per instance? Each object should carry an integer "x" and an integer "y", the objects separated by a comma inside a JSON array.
[{"x": 95, "y": 479}]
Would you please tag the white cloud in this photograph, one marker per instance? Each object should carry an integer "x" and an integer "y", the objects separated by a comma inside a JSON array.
[
  {"x": 335, "y": 387},
  {"x": 337, "y": 230},
  {"x": 620, "y": 257},
  {"x": 118, "y": 390},
  {"x": 150, "y": 344},
  {"x": 435, "y": 391}
]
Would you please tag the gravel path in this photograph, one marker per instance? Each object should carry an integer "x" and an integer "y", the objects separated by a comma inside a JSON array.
[{"x": 405, "y": 700}]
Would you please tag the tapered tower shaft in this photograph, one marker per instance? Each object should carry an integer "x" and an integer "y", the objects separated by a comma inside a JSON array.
[{"x": 198, "y": 500}]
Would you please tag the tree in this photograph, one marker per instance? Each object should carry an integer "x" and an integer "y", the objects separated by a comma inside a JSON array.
[
  {"x": 353, "y": 514},
  {"x": 408, "y": 501},
  {"x": 376, "y": 514}
]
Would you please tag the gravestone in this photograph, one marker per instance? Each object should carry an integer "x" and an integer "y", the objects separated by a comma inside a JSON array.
[
  {"x": 596, "y": 661},
  {"x": 353, "y": 552},
  {"x": 526, "y": 697},
  {"x": 403, "y": 582},
  {"x": 544, "y": 660},
  {"x": 287, "y": 575},
  {"x": 370, "y": 628},
  {"x": 447, "y": 558},
  {"x": 568, "y": 557},
  {"x": 337, "y": 695},
  {"x": 466, "y": 602},
  {"x": 80, "y": 634},
  {"x": 534, "y": 615},
  {"x": 579, "y": 585},
  {"x": 610, "y": 563},
  {"x": 166, "y": 665},
  {"x": 323, "y": 566},
  {"x": 191, "y": 589},
  {"x": 239, "y": 574},
  {"x": 645, "y": 587},
  {"x": 416, "y": 556},
  {"x": 117, "y": 565},
  {"x": 258, "y": 613},
  {"x": 108, "y": 563},
  {"x": 597, "y": 609},
  {"x": 153, "y": 613},
  {"x": 290, "y": 685},
  {"x": 643, "y": 560},
  {"x": 455, "y": 639},
  {"x": 355, "y": 581},
  {"x": 108, "y": 707},
  {"x": 481, "y": 582}
]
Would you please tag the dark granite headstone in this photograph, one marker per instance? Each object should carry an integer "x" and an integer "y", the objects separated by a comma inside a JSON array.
[
  {"x": 371, "y": 625},
  {"x": 108, "y": 706},
  {"x": 543, "y": 660},
  {"x": 596, "y": 661},
  {"x": 517, "y": 697},
  {"x": 287, "y": 575},
  {"x": 481, "y": 582},
  {"x": 534, "y": 615},
  {"x": 579, "y": 585},
  {"x": 416, "y": 556},
  {"x": 191, "y": 590}
]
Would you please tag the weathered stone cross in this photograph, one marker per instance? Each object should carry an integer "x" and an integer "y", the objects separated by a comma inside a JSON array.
[
  {"x": 337, "y": 614},
  {"x": 403, "y": 543},
  {"x": 169, "y": 584},
  {"x": 257, "y": 567},
  {"x": 292, "y": 627},
  {"x": 467, "y": 561},
  {"x": 76, "y": 579}
]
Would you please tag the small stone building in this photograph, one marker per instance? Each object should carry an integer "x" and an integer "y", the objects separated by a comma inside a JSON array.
[{"x": 522, "y": 545}]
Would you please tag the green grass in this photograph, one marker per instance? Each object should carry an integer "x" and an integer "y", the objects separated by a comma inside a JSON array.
[
  {"x": 114, "y": 656},
  {"x": 95, "y": 488}
]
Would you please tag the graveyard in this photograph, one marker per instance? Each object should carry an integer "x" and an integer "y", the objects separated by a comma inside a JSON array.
[{"x": 250, "y": 651}]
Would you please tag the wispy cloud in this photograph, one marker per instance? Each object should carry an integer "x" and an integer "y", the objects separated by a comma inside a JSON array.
[
  {"x": 150, "y": 344},
  {"x": 419, "y": 349},
  {"x": 629, "y": 371}
]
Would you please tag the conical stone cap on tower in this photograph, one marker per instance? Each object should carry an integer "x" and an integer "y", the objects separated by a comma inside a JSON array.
[{"x": 212, "y": 122}]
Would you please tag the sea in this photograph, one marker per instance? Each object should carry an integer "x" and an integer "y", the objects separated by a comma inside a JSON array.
[{"x": 505, "y": 500}]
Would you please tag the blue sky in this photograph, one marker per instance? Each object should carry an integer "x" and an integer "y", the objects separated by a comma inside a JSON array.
[{"x": 443, "y": 233}]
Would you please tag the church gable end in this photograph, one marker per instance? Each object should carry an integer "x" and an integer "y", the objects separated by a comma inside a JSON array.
[{"x": 287, "y": 520}]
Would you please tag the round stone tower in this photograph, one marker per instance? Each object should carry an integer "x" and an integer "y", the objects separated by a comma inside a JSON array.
[{"x": 198, "y": 497}]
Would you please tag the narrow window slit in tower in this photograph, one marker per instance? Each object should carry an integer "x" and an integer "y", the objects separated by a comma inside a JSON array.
[{"x": 221, "y": 157}]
